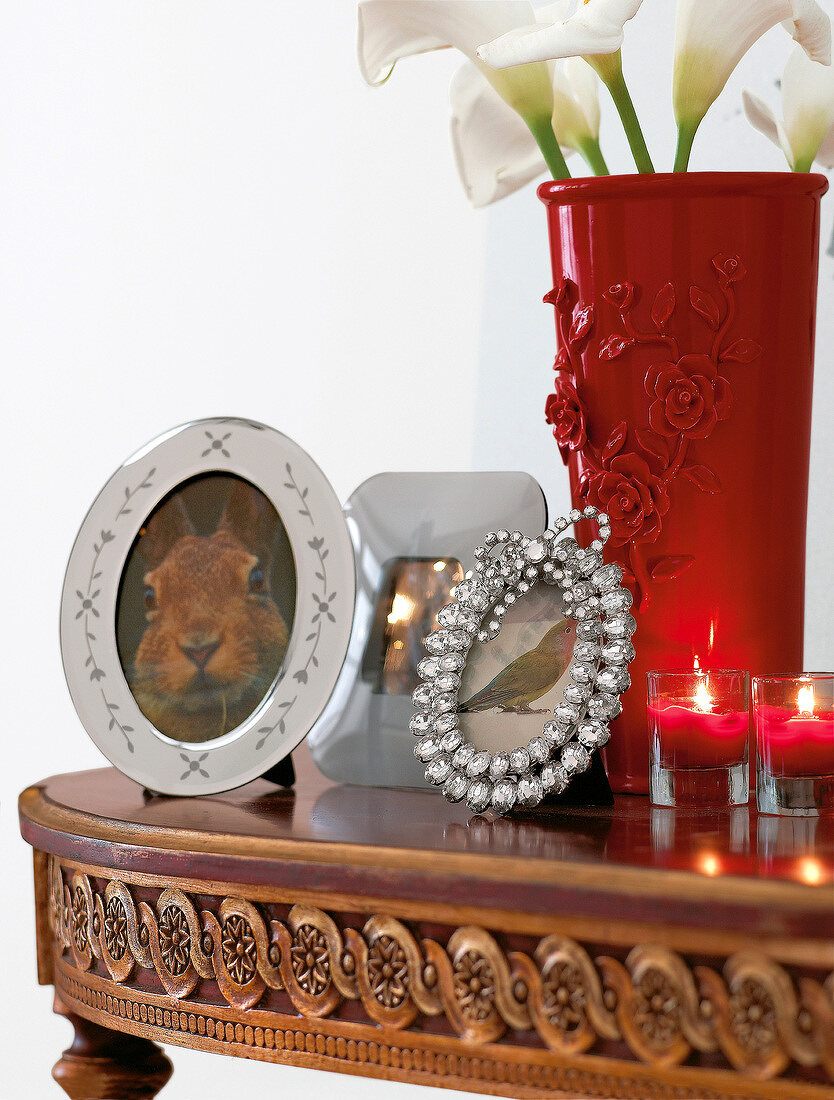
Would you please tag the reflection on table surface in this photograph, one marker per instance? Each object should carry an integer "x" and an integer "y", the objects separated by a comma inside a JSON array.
[{"x": 632, "y": 833}]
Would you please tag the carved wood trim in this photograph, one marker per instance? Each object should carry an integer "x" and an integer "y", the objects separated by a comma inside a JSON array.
[{"x": 745, "y": 1013}]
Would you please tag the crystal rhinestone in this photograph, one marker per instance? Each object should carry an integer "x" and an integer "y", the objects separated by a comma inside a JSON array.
[
  {"x": 536, "y": 551},
  {"x": 522, "y": 587},
  {"x": 589, "y": 510},
  {"x": 463, "y": 755},
  {"x": 531, "y": 573},
  {"x": 503, "y": 535},
  {"x": 444, "y": 702},
  {"x": 483, "y": 636},
  {"x": 421, "y": 723},
  {"x": 592, "y": 734},
  {"x": 428, "y": 668},
  {"x": 519, "y": 760},
  {"x": 456, "y": 787},
  {"x": 449, "y": 615},
  {"x": 577, "y": 693},
  {"x": 439, "y": 770},
  {"x": 582, "y": 672},
  {"x": 566, "y": 712},
  {"x": 609, "y": 576},
  {"x": 575, "y": 758},
  {"x": 613, "y": 679},
  {"x": 499, "y": 611},
  {"x": 427, "y": 747},
  {"x": 478, "y": 795},
  {"x": 538, "y": 749},
  {"x": 586, "y": 651},
  {"x": 590, "y": 563},
  {"x": 422, "y": 696},
  {"x": 575, "y": 515},
  {"x": 564, "y": 549},
  {"x": 503, "y": 796},
  {"x": 620, "y": 626},
  {"x": 474, "y": 595},
  {"x": 451, "y": 740},
  {"x": 530, "y": 791},
  {"x": 554, "y": 777},
  {"x": 447, "y": 681},
  {"x": 510, "y": 599},
  {"x": 438, "y": 642},
  {"x": 581, "y": 590},
  {"x": 556, "y": 735},
  {"x": 445, "y": 722},
  {"x": 618, "y": 599},
  {"x": 603, "y": 706},
  {"x": 459, "y": 638},
  {"x": 561, "y": 523},
  {"x": 478, "y": 764},
  {"x": 495, "y": 586},
  {"x": 603, "y": 519},
  {"x": 618, "y": 652},
  {"x": 455, "y": 615},
  {"x": 499, "y": 765},
  {"x": 451, "y": 662},
  {"x": 588, "y": 630}
]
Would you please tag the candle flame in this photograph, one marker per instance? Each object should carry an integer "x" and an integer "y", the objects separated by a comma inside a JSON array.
[
  {"x": 805, "y": 701},
  {"x": 697, "y": 665},
  {"x": 439, "y": 566},
  {"x": 401, "y": 608},
  {"x": 703, "y": 700}
]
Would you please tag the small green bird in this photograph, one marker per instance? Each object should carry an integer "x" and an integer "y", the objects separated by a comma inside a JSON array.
[{"x": 529, "y": 676}]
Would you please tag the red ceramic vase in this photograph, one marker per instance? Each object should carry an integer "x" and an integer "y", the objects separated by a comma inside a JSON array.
[{"x": 685, "y": 308}]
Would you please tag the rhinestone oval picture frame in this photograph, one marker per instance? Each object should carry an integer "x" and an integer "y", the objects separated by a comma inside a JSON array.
[{"x": 507, "y": 566}]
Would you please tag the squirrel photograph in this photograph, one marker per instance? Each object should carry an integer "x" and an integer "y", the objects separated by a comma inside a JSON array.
[{"x": 206, "y": 607}]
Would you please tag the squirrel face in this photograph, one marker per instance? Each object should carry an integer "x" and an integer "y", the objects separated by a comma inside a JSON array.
[{"x": 215, "y": 639}]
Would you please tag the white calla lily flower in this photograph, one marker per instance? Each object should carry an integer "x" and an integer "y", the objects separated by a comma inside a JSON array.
[
  {"x": 806, "y": 129},
  {"x": 712, "y": 36},
  {"x": 595, "y": 28},
  {"x": 496, "y": 153},
  {"x": 595, "y": 32},
  {"x": 390, "y": 30}
]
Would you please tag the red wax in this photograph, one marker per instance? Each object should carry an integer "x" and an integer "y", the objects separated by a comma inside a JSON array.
[
  {"x": 792, "y": 744},
  {"x": 693, "y": 738}
]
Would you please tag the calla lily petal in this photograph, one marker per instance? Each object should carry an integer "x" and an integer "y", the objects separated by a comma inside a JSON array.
[
  {"x": 760, "y": 115},
  {"x": 806, "y": 130},
  {"x": 595, "y": 28},
  {"x": 576, "y": 111},
  {"x": 711, "y": 37},
  {"x": 390, "y": 30},
  {"x": 494, "y": 151}
]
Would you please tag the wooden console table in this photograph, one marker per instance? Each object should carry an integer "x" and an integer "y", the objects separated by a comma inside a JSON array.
[{"x": 633, "y": 952}]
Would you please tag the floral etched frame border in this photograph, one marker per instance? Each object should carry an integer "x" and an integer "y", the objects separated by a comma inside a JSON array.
[{"x": 323, "y": 553}]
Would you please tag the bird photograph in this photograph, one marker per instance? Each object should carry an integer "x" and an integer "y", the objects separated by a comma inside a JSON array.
[{"x": 511, "y": 683}]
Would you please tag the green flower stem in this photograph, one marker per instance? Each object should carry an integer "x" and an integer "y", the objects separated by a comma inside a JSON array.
[
  {"x": 542, "y": 131},
  {"x": 631, "y": 124},
  {"x": 592, "y": 154},
  {"x": 686, "y": 135},
  {"x": 803, "y": 164}
]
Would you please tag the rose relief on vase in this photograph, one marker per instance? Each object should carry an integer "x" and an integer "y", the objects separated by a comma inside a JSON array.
[{"x": 631, "y": 475}]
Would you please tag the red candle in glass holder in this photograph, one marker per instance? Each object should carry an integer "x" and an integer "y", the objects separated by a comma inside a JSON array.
[
  {"x": 699, "y": 736},
  {"x": 799, "y": 742}
]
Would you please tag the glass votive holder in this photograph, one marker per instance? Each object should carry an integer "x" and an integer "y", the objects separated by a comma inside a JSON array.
[
  {"x": 794, "y": 722},
  {"x": 699, "y": 737}
]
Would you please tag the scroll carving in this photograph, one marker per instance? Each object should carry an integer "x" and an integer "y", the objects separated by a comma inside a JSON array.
[{"x": 751, "y": 1012}]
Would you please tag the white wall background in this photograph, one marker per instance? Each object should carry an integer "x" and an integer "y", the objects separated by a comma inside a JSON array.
[{"x": 205, "y": 211}]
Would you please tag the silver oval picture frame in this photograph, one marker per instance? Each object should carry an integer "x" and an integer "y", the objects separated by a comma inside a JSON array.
[{"x": 312, "y": 649}]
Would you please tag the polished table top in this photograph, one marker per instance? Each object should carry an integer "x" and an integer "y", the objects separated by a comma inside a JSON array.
[{"x": 717, "y": 868}]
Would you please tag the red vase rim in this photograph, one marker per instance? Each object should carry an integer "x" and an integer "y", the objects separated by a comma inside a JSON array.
[{"x": 684, "y": 184}]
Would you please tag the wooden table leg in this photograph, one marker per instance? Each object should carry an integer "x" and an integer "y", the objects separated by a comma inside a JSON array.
[{"x": 105, "y": 1065}]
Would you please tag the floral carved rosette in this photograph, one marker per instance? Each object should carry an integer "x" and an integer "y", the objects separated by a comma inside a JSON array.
[{"x": 631, "y": 474}]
